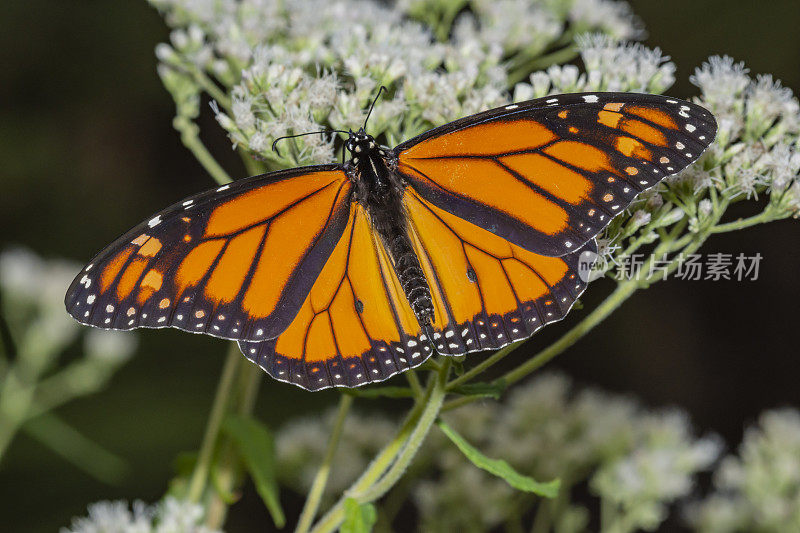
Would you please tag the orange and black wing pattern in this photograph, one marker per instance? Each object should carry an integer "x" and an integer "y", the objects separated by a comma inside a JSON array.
[
  {"x": 488, "y": 292},
  {"x": 549, "y": 174},
  {"x": 354, "y": 327},
  {"x": 236, "y": 262}
]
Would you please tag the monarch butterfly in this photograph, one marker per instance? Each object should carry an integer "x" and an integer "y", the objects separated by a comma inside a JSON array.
[{"x": 464, "y": 238}]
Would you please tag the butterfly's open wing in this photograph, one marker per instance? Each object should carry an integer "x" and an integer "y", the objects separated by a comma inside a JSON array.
[
  {"x": 354, "y": 327},
  {"x": 488, "y": 292},
  {"x": 549, "y": 174},
  {"x": 236, "y": 262}
]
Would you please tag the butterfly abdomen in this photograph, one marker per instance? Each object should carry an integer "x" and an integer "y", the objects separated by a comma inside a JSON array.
[
  {"x": 411, "y": 277},
  {"x": 381, "y": 192},
  {"x": 389, "y": 221}
]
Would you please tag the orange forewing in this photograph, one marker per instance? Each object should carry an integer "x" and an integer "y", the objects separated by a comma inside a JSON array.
[
  {"x": 236, "y": 262},
  {"x": 549, "y": 174}
]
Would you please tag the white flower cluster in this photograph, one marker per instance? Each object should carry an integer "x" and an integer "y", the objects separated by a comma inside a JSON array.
[
  {"x": 659, "y": 470},
  {"x": 168, "y": 516},
  {"x": 758, "y": 144},
  {"x": 609, "y": 66},
  {"x": 758, "y": 490},
  {"x": 279, "y": 68},
  {"x": 611, "y": 17}
]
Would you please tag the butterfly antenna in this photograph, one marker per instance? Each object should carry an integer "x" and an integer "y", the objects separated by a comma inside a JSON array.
[
  {"x": 373, "y": 104},
  {"x": 275, "y": 142}
]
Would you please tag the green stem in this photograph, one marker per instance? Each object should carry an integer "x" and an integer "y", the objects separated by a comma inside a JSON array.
[
  {"x": 190, "y": 137},
  {"x": 765, "y": 216},
  {"x": 548, "y": 511},
  {"x": 199, "y": 478},
  {"x": 378, "y": 466},
  {"x": 228, "y": 468},
  {"x": 211, "y": 88},
  {"x": 415, "y": 440},
  {"x": 413, "y": 382},
  {"x": 321, "y": 478},
  {"x": 398, "y": 453},
  {"x": 251, "y": 379}
]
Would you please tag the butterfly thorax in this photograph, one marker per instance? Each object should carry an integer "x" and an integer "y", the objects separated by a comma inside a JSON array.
[{"x": 380, "y": 190}]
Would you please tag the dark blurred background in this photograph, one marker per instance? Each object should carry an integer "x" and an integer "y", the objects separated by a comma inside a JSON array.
[{"x": 87, "y": 150}]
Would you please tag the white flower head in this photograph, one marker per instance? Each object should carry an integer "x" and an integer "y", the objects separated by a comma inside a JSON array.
[
  {"x": 517, "y": 24},
  {"x": 168, "y": 516},
  {"x": 758, "y": 489},
  {"x": 624, "y": 67},
  {"x": 767, "y": 102},
  {"x": 614, "y": 18},
  {"x": 722, "y": 83}
]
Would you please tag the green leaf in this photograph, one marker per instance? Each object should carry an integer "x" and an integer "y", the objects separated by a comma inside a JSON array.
[
  {"x": 490, "y": 390},
  {"x": 256, "y": 447},
  {"x": 380, "y": 392},
  {"x": 500, "y": 468},
  {"x": 358, "y": 518}
]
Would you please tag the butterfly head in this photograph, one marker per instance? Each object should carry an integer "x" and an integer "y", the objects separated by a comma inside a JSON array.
[{"x": 360, "y": 143}]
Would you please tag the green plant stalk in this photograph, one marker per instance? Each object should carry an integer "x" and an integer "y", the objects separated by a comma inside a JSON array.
[
  {"x": 374, "y": 483},
  {"x": 413, "y": 382},
  {"x": 199, "y": 479},
  {"x": 376, "y": 468},
  {"x": 211, "y": 87},
  {"x": 549, "y": 511},
  {"x": 249, "y": 378},
  {"x": 767, "y": 215},
  {"x": 190, "y": 137},
  {"x": 321, "y": 477},
  {"x": 397, "y": 497},
  {"x": 432, "y": 407},
  {"x": 229, "y": 470},
  {"x": 14, "y": 403},
  {"x": 621, "y": 293}
]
